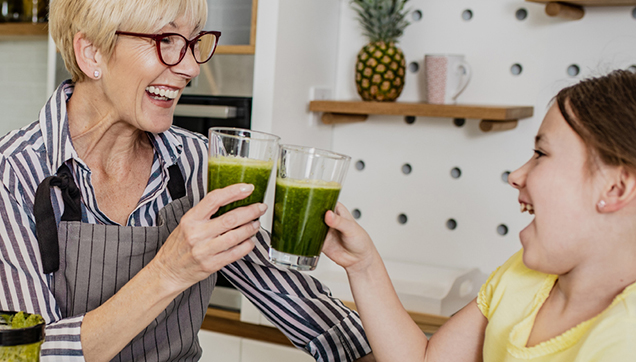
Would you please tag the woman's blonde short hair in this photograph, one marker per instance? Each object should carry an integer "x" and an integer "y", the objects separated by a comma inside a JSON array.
[{"x": 99, "y": 19}]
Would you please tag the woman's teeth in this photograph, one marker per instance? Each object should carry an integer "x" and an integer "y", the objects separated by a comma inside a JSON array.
[
  {"x": 527, "y": 207},
  {"x": 162, "y": 94}
]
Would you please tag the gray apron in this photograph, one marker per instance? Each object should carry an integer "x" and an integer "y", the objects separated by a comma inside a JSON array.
[{"x": 91, "y": 262}]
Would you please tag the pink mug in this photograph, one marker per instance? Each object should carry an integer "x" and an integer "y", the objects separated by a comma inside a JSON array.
[{"x": 446, "y": 77}]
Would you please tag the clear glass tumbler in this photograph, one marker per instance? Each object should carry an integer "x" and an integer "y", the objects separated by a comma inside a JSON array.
[
  {"x": 239, "y": 155},
  {"x": 308, "y": 184}
]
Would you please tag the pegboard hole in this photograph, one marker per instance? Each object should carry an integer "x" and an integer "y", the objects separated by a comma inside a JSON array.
[
  {"x": 406, "y": 169},
  {"x": 521, "y": 14},
  {"x": 467, "y": 14},
  {"x": 573, "y": 70},
  {"x": 416, "y": 15},
  {"x": 409, "y": 119},
  {"x": 402, "y": 219},
  {"x": 632, "y": 68},
  {"x": 356, "y": 213},
  {"x": 360, "y": 165},
  {"x": 456, "y": 173},
  {"x": 414, "y": 67},
  {"x": 459, "y": 122},
  {"x": 502, "y": 230},
  {"x": 451, "y": 224},
  {"x": 504, "y": 176},
  {"x": 516, "y": 69}
]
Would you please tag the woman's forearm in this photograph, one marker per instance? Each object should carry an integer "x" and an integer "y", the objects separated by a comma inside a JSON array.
[
  {"x": 391, "y": 332},
  {"x": 107, "y": 329}
]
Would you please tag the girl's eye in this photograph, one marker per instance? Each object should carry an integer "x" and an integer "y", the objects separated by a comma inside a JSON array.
[{"x": 538, "y": 153}]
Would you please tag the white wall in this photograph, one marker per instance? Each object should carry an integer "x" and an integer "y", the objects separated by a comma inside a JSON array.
[
  {"x": 22, "y": 82},
  {"x": 291, "y": 58},
  {"x": 492, "y": 41}
]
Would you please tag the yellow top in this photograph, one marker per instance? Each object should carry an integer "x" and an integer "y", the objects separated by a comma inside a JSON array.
[{"x": 510, "y": 300}]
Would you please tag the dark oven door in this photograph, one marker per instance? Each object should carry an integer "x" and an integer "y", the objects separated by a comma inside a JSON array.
[{"x": 200, "y": 112}]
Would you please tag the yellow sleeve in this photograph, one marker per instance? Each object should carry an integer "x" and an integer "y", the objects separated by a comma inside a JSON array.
[{"x": 484, "y": 298}]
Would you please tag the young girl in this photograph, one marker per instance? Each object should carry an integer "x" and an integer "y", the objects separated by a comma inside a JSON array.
[{"x": 570, "y": 293}]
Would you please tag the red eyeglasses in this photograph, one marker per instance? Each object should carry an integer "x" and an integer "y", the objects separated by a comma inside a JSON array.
[{"x": 172, "y": 47}]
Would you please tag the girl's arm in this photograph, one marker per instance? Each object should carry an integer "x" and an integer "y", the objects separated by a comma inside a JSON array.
[{"x": 391, "y": 332}]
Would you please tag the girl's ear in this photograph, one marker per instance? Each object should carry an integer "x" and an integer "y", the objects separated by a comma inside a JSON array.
[
  {"x": 619, "y": 191},
  {"x": 87, "y": 56}
]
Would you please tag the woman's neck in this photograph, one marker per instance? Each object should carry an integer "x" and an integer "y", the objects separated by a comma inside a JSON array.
[{"x": 99, "y": 136}]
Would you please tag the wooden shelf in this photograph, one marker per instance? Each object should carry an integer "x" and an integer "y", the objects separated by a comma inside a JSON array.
[
  {"x": 493, "y": 118},
  {"x": 574, "y": 9},
  {"x": 229, "y": 322},
  {"x": 23, "y": 29}
]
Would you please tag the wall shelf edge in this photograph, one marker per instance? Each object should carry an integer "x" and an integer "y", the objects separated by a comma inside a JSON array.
[{"x": 493, "y": 117}]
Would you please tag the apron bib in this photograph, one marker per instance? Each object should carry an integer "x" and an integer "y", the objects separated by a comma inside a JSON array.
[{"x": 95, "y": 261}]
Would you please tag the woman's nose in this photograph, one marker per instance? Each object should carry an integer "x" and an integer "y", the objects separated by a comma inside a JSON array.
[
  {"x": 188, "y": 65},
  {"x": 517, "y": 178}
]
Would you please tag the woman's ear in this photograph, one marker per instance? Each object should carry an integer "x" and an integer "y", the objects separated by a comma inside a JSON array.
[
  {"x": 87, "y": 56},
  {"x": 619, "y": 191}
]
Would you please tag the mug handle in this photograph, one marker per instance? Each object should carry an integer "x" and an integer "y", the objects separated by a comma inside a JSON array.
[{"x": 465, "y": 78}]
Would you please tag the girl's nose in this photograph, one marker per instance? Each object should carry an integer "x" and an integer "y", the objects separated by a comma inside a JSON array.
[{"x": 517, "y": 178}]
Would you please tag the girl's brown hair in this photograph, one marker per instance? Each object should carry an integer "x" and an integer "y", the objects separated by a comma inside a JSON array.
[{"x": 602, "y": 111}]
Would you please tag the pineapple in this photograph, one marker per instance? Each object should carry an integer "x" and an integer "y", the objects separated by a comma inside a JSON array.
[{"x": 381, "y": 66}]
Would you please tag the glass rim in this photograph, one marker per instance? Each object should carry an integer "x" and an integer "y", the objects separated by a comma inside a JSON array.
[
  {"x": 264, "y": 135},
  {"x": 320, "y": 152}
]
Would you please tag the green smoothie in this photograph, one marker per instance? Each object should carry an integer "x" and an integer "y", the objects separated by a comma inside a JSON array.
[
  {"x": 24, "y": 352},
  {"x": 299, "y": 215},
  {"x": 228, "y": 170}
]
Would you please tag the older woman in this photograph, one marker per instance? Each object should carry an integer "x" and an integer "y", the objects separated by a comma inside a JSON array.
[{"x": 94, "y": 190}]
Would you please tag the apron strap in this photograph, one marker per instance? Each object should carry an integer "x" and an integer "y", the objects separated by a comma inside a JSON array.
[
  {"x": 45, "y": 225},
  {"x": 176, "y": 185}
]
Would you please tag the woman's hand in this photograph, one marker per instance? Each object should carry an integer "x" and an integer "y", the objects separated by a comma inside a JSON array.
[
  {"x": 200, "y": 246},
  {"x": 347, "y": 243}
]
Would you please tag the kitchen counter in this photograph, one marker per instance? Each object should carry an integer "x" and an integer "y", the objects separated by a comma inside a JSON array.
[{"x": 229, "y": 322}]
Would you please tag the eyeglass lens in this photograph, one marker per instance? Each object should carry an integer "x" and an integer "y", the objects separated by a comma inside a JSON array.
[{"x": 173, "y": 46}]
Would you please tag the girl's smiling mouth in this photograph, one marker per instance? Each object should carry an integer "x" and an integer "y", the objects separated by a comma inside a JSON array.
[{"x": 527, "y": 207}]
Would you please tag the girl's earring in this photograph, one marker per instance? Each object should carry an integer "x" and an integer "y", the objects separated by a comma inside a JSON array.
[
  {"x": 601, "y": 204},
  {"x": 96, "y": 74}
]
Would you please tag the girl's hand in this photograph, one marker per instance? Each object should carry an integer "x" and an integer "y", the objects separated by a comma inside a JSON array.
[
  {"x": 200, "y": 246},
  {"x": 347, "y": 243}
]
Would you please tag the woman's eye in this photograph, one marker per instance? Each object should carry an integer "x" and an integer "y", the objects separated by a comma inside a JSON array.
[{"x": 538, "y": 153}]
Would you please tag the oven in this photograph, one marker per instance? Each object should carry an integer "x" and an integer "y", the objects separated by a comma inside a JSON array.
[{"x": 197, "y": 112}]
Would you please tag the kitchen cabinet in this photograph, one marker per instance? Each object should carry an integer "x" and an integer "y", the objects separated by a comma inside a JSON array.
[
  {"x": 23, "y": 30},
  {"x": 255, "y": 351},
  {"x": 218, "y": 347},
  {"x": 236, "y": 19}
]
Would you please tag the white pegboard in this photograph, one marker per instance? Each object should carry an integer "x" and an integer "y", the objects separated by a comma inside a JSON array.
[{"x": 492, "y": 41}]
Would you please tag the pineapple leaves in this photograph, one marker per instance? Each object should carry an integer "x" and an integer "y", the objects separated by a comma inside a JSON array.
[{"x": 381, "y": 20}]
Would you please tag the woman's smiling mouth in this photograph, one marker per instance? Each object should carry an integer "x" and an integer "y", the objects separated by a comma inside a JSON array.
[{"x": 162, "y": 94}]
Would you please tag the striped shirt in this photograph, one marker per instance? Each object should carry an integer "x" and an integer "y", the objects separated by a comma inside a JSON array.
[{"x": 299, "y": 305}]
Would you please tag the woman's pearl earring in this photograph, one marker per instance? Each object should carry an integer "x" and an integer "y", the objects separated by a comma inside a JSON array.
[
  {"x": 96, "y": 74},
  {"x": 601, "y": 204}
]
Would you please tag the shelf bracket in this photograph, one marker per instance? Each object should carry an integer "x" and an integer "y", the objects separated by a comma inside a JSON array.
[
  {"x": 565, "y": 11},
  {"x": 336, "y": 118},
  {"x": 488, "y": 126}
]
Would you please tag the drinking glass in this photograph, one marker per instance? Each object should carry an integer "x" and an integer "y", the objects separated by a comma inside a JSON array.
[
  {"x": 308, "y": 183},
  {"x": 241, "y": 156}
]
